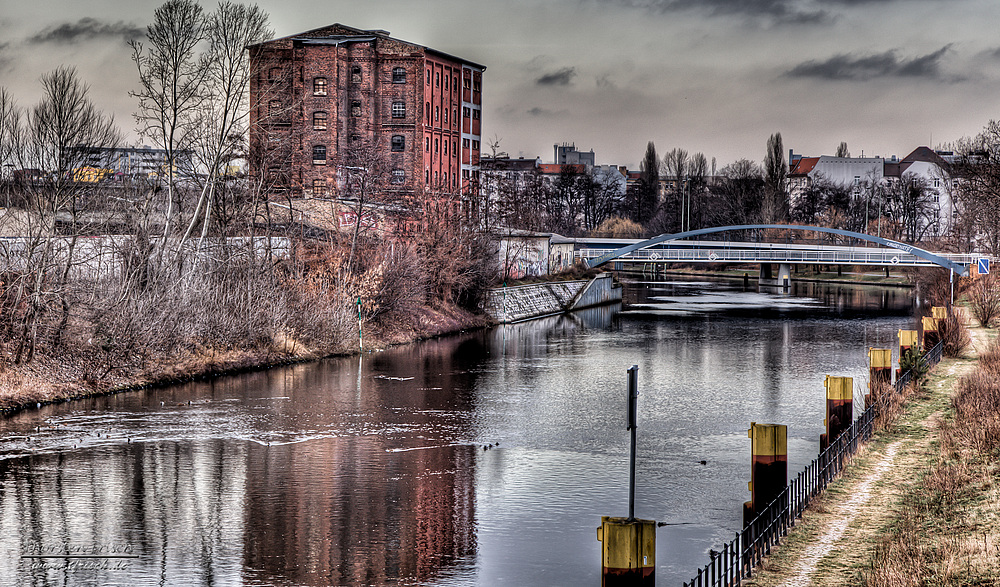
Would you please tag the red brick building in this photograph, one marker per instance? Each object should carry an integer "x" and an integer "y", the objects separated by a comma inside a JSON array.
[{"x": 319, "y": 94}]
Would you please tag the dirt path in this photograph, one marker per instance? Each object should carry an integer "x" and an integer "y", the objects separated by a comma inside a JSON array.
[
  {"x": 842, "y": 515},
  {"x": 832, "y": 544}
]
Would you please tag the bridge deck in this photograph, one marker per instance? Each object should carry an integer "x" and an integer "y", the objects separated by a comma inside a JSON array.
[{"x": 748, "y": 252}]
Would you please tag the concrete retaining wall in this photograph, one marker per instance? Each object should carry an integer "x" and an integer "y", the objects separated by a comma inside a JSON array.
[{"x": 523, "y": 302}]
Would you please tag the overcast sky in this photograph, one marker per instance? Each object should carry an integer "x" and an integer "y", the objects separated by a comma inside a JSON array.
[{"x": 716, "y": 76}]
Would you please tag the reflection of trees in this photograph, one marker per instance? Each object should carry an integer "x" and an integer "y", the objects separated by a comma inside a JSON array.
[
  {"x": 347, "y": 512},
  {"x": 177, "y": 505}
]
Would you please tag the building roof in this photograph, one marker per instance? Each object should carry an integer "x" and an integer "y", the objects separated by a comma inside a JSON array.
[
  {"x": 338, "y": 33},
  {"x": 925, "y": 154},
  {"x": 804, "y": 165}
]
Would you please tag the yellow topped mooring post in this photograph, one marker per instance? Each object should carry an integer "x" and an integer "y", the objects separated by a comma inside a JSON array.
[
  {"x": 839, "y": 408},
  {"x": 628, "y": 545},
  {"x": 769, "y": 466},
  {"x": 907, "y": 341},
  {"x": 931, "y": 336},
  {"x": 628, "y": 551},
  {"x": 879, "y": 372}
]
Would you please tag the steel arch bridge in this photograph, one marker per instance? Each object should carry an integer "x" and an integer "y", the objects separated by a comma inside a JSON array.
[{"x": 895, "y": 253}]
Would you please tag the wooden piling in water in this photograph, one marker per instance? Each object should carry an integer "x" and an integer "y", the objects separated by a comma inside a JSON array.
[
  {"x": 839, "y": 408},
  {"x": 628, "y": 552},
  {"x": 768, "y": 466},
  {"x": 930, "y": 327},
  {"x": 879, "y": 373}
]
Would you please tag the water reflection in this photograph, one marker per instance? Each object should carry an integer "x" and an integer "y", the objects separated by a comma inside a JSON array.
[{"x": 477, "y": 459}]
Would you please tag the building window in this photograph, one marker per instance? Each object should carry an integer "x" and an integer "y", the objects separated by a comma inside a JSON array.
[
  {"x": 427, "y": 175},
  {"x": 477, "y": 86},
  {"x": 437, "y": 145},
  {"x": 319, "y": 187},
  {"x": 446, "y": 83},
  {"x": 355, "y": 107},
  {"x": 466, "y": 112},
  {"x": 428, "y": 77},
  {"x": 274, "y": 74},
  {"x": 398, "y": 176},
  {"x": 454, "y": 148},
  {"x": 475, "y": 145},
  {"x": 319, "y": 154},
  {"x": 398, "y": 143},
  {"x": 399, "y": 110},
  {"x": 274, "y": 108},
  {"x": 319, "y": 120},
  {"x": 398, "y": 75},
  {"x": 475, "y": 114},
  {"x": 446, "y": 116},
  {"x": 319, "y": 86},
  {"x": 446, "y": 148},
  {"x": 356, "y": 74},
  {"x": 437, "y": 113},
  {"x": 427, "y": 144},
  {"x": 454, "y": 83},
  {"x": 465, "y": 144},
  {"x": 467, "y": 83},
  {"x": 437, "y": 79}
]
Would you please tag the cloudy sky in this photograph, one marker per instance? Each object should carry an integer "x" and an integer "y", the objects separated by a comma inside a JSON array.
[{"x": 716, "y": 76}]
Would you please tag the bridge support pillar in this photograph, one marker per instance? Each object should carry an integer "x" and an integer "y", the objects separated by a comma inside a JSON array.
[{"x": 782, "y": 279}]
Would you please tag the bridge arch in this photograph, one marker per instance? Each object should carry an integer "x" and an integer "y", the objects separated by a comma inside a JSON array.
[{"x": 959, "y": 268}]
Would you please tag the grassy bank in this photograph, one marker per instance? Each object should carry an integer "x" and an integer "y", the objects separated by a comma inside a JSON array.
[
  {"x": 83, "y": 368},
  {"x": 920, "y": 505}
]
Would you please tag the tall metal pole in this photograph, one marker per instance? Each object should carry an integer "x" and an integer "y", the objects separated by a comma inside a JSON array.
[{"x": 633, "y": 400}]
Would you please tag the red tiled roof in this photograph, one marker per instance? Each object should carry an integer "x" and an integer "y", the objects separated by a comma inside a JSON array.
[{"x": 804, "y": 166}]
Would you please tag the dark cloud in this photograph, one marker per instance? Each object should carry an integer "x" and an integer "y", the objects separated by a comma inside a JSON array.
[
  {"x": 780, "y": 11},
  {"x": 86, "y": 29},
  {"x": 563, "y": 77},
  {"x": 536, "y": 111},
  {"x": 849, "y": 67}
]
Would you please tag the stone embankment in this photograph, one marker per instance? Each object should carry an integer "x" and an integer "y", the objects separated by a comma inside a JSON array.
[{"x": 525, "y": 302}]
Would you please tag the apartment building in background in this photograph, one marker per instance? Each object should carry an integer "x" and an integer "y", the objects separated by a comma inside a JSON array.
[{"x": 317, "y": 95}]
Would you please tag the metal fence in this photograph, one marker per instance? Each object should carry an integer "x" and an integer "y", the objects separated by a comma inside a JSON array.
[{"x": 736, "y": 559}]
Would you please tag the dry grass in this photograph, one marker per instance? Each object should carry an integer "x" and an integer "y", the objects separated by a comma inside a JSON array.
[{"x": 946, "y": 532}]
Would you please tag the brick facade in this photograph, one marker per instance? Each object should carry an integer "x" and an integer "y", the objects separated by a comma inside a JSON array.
[{"x": 316, "y": 95}]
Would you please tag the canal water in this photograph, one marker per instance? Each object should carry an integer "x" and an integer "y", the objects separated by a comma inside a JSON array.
[{"x": 480, "y": 459}]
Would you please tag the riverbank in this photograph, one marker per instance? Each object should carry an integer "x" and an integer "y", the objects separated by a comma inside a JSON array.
[
  {"x": 84, "y": 370},
  {"x": 920, "y": 504}
]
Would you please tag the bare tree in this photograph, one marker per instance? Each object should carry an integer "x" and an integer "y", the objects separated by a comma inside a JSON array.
[
  {"x": 644, "y": 198},
  {"x": 365, "y": 174},
  {"x": 978, "y": 191},
  {"x": 10, "y": 136},
  {"x": 171, "y": 90},
  {"x": 775, "y": 208},
  {"x": 909, "y": 200},
  {"x": 61, "y": 133},
  {"x": 674, "y": 210},
  {"x": 223, "y": 114}
]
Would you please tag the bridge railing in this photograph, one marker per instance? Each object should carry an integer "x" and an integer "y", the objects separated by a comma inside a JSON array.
[
  {"x": 736, "y": 559},
  {"x": 726, "y": 255}
]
